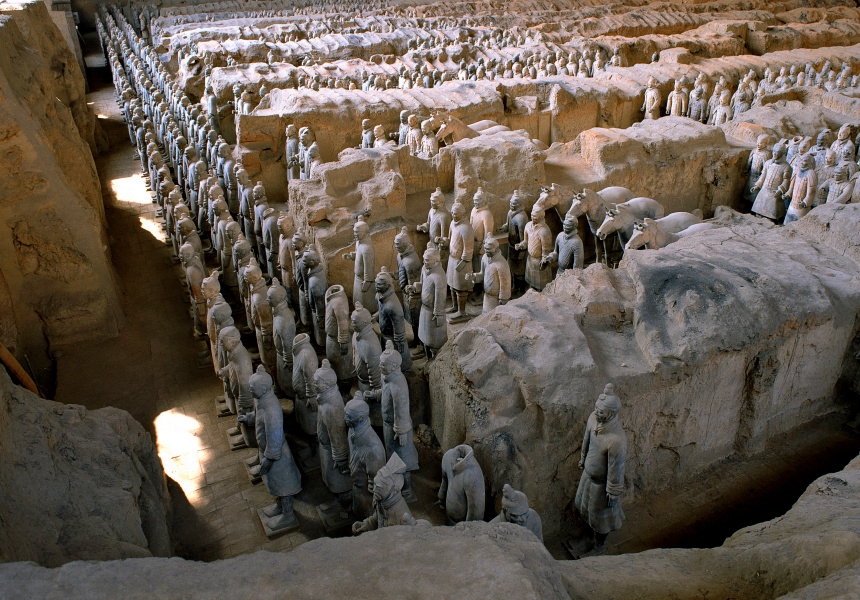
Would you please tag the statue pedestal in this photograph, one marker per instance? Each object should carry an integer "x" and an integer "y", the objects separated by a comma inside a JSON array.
[
  {"x": 270, "y": 532},
  {"x": 333, "y": 516},
  {"x": 253, "y": 472},
  {"x": 221, "y": 408},
  {"x": 236, "y": 439}
]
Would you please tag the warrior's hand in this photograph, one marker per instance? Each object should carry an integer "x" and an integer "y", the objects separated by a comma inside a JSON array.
[
  {"x": 611, "y": 501},
  {"x": 520, "y": 246},
  {"x": 344, "y": 348},
  {"x": 402, "y": 439},
  {"x": 503, "y": 228},
  {"x": 365, "y": 286},
  {"x": 358, "y": 528},
  {"x": 265, "y": 465},
  {"x": 422, "y": 228},
  {"x": 461, "y": 264},
  {"x": 581, "y": 464}
]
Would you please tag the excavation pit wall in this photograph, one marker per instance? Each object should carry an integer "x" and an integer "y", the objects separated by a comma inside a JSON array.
[{"x": 715, "y": 344}]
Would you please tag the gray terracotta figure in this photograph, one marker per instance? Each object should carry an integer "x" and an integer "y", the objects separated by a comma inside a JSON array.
[
  {"x": 367, "y": 353},
  {"x": 291, "y": 153},
  {"x": 300, "y": 242},
  {"x": 772, "y": 185},
  {"x": 568, "y": 251},
  {"x": 316, "y": 289},
  {"x": 271, "y": 241},
  {"x": 366, "y": 455},
  {"x": 462, "y": 492},
  {"x": 429, "y": 142},
  {"x": 515, "y": 226},
  {"x": 483, "y": 225},
  {"x": 261, "y": 203},
  {"x": 698, "y": 107},
  {"x": 277, "y": 467},
  {"x": 802, "y": 190},
  {"x": 838, "y": 189},
  {"x": 287, "y": 258},
  {"x": 364, "y": 257},
  {"x": 461, "y": 245},
  {"x": 515, "y": 509},
  {"x": 338, "y": 344},
  {"x": 651, "y": 105},
  {"x": 261, "y": 317},
  {"x": 283, "y": 333},
  {"x": 401, "y": 132},
  {"x": 305, "y": 364},
  {"x": 602, "y": 460},
  {"x": 194, "y": 276},
  {"x": 238, "y": 371},
  {"x": 392, "y": 323},
  {"x": 396, "y": 419},
  {"x": 495, "y": 273},
  {"x": 389, "y": 505},
  {"x": 537, "y": 241},
  {"x": 432, "y": 325},
  {"x": 755, "y": 165},
  {"x": 438, "y": 222},
  {"x": 332, "y": 436},
  {"x": 408, "y": 274}
]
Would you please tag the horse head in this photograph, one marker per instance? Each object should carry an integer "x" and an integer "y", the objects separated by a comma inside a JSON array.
[{"x": 643, "y": 235}]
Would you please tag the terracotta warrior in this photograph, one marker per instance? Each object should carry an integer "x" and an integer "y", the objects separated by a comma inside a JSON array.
[
  {"x": 462, "y": 492},
  {"x": 305, "y": 364},
  {"x": 461, "y": 244},
  {"x": 317, "y": 285},
  {"x": 515, "y": 227},
  {"x": 283, "y": 332},
  {"x": 838, "y": 189},
  {"x": 338, "y": 345},
  {"x": 194, "y": 276},
  {"x": 755, "y": 166},
  {"x": 292, "y": 153},
  {"x": 364, "y": 257},
  {"x": 332, "y": 436},
  {"x": 651, "y": 105},
  {"x": 438, "y": 222},
  {"x": 408, "y": 274},
  {"x": 676, "y": 103},
  {"x": 568, "y": 252},
  {"x": 802, "y": 189},
  {"x": 392, "y": 323},
  {"x": 429, "y": 143},
  {"x": 772, "y": 185},
  {"x": 495, "y": 275},
  {"x": 432, "y": 326},
  {"x": 238, "y": 372},
  {"x": 389, "y": 505},
  {"x": 602, "y": 459},
  {"x": 537, "y": 240},
  {"x": 277, "y": 467},
  {"x": 367, "y": 352},
  {"x": 261, "y": 317},
  {"x": 396, "y": 420},
  {"x": 366, "y": 455},
  {"x": 413, "y": 138},
  {"x": 483, "y": 225},
  {"x": 515, "y": 509}
]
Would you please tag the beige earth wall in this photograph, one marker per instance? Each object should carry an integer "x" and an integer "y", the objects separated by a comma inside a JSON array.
[
  {"x": 715, "y": 344},
  {"x": 56, "y": 280}
]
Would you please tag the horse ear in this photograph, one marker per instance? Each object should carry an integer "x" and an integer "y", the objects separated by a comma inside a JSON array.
[
  {"x": 612, "y": 212},
  {"x": 648, "y": 222}
]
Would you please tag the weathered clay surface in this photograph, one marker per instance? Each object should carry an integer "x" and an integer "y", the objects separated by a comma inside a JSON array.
[
  {"x": 709, "y": 343},
  {"x": 470, "y": 561},
  {"x": 77, "y": 484},
  {"x": 810, "y": 552}
]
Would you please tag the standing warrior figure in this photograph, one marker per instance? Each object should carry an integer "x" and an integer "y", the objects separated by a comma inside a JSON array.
[
  {"x": 483, "y": 225},
  {"x": 396, "y": 420},
  {"x": 515, "y": 509},
  {"x": 772, "y": 185},
  {"x": 366, "y": 455},
  {"x": 802, "y": 189},
  {"x": 408, "y": 274},
  {"x": 462, "y": 492},
  {"x": 432, "y": 327},
  {"x": 317, "y": 285},
  {"x": 676, "y": 103},
  {"x": 367, "y": 352},
  {"x": 568, "y": 251},
  {"x": 438, "y": 222},
  {"x": 338, "y": 344},
  {"x": 284, "y": 332},
  {"x": 291, "y": 153},
  {"x": 392, "y": 323},
  {"x": 304, "y": 366},
  {"x": 604, "y": 452},
  {"x": 261, "y": 317},
  {"x": 651, "y": 105},
  {"x": 461, "y": 244},
  {"x": 429, "y": 142},
  {"x": 537, "y": 239},
  {"x": 495, "y": 274},
  {"x": 515, "y": 227},
  {"x": 364, "y": 257},
  {"x": 332, "y": 436},
  {"x": 755, "y": 166}
]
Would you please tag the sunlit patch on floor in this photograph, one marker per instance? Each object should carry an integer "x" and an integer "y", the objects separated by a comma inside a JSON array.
[
  {"x": 180, "y": 449},
  {"x": 130, "y": 189}
]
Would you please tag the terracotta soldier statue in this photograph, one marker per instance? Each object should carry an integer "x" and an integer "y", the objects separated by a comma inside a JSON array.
[
  {"x": 194, "y": 276},
  {"x": 568, "y": 251},
  {"x": 802, "y": 190},
  {"x": 602, "y": 458},
  {"x": 392, "y": 323},
  {"x": 413, "y": 138},
  {"x": 300, "y": 242},
  {"x": 676, "y": 103},
  {"x": 305, "y": 364},
  {"x": 537, "y": 240},
  {"x": 332, "y": 436},
  {"x": 772, "y": 185},
  {"x": 495, "y": 274},
  {"x": 462, "y": 493},
  {"x": 396, "y": 420},
  {"x": 461, "y": 244},
  {"x": 238, "y": 372},
  {"x": 429, "y": 143},
  {"x": 316, "y": 288},
  {"x": 366, "y": 455},
  {"x": 432, "y": 326},
  {"x": 261, "y": 317},
  {"x": 838, "y": 189},
  {"x": 283, "y": 332},
  {"x": 364, "y": 257},
  {"x": 287, "y": 258},
  {"x": 698, "y": 107},
  {"x": 367, "y": 352},
  {"x": 277, "y": 467},
  {"x": 271, "y": 241},
  {"x": 291, "y": 153},
  {"x": 515, "y": 509},
  {"x": 483, "y": 226},
  {"x": 755, "y": 165},
  {"x": 389, "y": 505},
  {"x": 402, "y": 132},
  {"x": 438, "y": 219},
  {"x": 338, "y": 345},
  {"x": 515, "y": 227},
  {"x": 723, "y": 113},
  {"x": 651, "y": 106},
  {"x": 408, "y": 274}
]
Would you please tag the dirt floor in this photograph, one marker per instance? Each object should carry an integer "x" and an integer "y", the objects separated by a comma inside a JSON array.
[{"x": 151, "y": 371}]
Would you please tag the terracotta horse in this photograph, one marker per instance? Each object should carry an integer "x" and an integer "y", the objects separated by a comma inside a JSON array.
[
  {"x": 621, "y": 218},
  {"x": 653, "y": 235},
  {"x": 594, "y": 206},
  {"x": 455, "y": 128}
]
